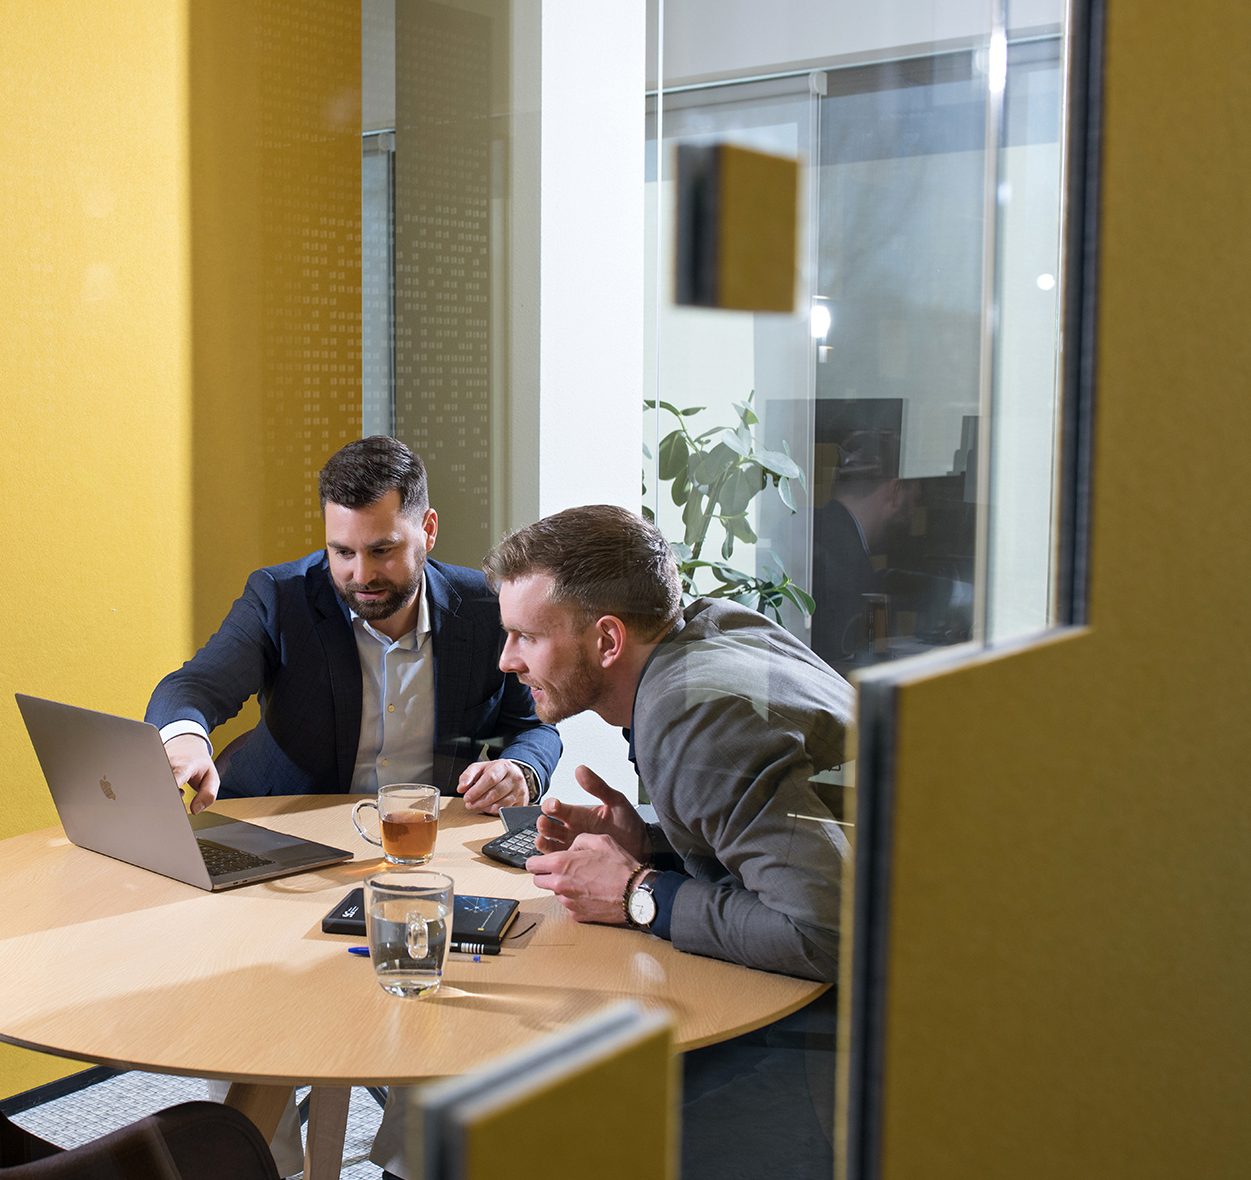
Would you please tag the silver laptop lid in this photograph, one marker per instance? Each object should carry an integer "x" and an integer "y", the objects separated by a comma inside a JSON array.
[
  {"x": 116, "y": 794},
  {"x": 113, "y": 788}
]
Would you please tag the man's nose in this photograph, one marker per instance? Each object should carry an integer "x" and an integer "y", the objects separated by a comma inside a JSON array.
[
  {"x": 508, "y": 657},
  {"x": 362, "y": 570}
]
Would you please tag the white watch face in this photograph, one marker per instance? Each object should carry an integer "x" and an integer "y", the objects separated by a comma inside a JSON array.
[{"x": 642, "y": 907}]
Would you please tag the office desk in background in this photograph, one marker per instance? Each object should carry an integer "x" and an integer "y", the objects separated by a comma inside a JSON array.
[{"x": 108, "y": 963}]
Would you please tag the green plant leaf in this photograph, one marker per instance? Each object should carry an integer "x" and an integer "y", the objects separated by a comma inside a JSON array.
[
  {"x": 713, "y": 464},
  {"x": 800, "y": 597},
  {"x": 694, "y": 521},
  {"x": 746, "y": 414},
  {"x": 673, "y": 455},
  {"x": 784, "y": 490},
  {"x": 779, "y": 463},
  {"x": 679, "y": 491},
  {"x": 732, "y": 440},
  {"x": 737, "y": 491},
  {"x": 652, "y": 403},
  {"x": 647, "y": 451},
  {"x": 727, "y": 545},
  {"x": 768, "y": 607},
  {"x": 740, "y": 528},
  {"x": 726, "y": 574},
  {"x": 803, "y": 482},
  {"x": 771, "y": 569}
]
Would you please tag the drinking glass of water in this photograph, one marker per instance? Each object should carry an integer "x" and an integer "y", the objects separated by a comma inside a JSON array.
[{"x": 408, "y": 920}]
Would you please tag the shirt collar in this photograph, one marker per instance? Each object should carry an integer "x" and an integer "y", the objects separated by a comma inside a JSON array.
[{"x": 628, "y": 734}]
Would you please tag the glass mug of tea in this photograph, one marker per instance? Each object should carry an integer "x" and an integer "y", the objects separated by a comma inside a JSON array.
[
  {"x": 408, "y": 816},
  {"x": 408, "y": 922}
]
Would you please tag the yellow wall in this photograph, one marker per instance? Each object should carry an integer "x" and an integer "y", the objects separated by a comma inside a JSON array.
[
  {"x": 1068, "y": 966},
  {"x": 274, "y": 119},
  {"x": 180, "y": 295}
]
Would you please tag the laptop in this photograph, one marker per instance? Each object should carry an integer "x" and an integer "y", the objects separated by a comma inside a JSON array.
[{"x": 116, "y": 794}]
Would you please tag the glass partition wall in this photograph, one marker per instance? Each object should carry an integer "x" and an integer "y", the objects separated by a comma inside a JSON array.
[
  {"x": 435, "y": 247},
  {"x": 877, "y": 467},
  {"x": 904, "y": 415},
  {"x": 923, "y": 345}
]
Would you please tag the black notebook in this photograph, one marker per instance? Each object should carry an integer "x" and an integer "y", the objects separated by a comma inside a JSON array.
[{"x": 478, "y": 924}]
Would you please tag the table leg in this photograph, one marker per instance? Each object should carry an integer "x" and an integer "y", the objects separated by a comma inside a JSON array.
[
  {"x": 327, "y": 1125},
  {"x": 262, "y": 1104}
]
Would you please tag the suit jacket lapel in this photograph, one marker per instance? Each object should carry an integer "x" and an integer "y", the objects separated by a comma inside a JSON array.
[
  {"x": 343, "y": 665},
  {"x": 450, "y": 646}
]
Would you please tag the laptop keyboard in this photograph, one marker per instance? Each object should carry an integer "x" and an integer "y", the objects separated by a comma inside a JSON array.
[{"x": 220, "y": 860}]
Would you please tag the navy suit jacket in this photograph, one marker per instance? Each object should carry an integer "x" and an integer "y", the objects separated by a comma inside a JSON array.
[{"x": 288, "y": 639}]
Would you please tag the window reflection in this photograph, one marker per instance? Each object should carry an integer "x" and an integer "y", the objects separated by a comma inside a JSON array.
[{"x": 875, "y": 384}]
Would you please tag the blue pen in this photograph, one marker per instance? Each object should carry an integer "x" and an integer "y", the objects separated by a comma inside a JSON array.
[{"x": 358, "y": 950}]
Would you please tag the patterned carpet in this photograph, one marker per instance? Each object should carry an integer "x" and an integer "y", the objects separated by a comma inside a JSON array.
[{"x": 106, "y": 1105}]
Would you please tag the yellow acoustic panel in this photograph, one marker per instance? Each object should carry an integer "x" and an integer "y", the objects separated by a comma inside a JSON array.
[
  {"x": 736, "y": 228},
  {"x": 1066, "y": 976},
  {"x": 599, "y": 1099}
]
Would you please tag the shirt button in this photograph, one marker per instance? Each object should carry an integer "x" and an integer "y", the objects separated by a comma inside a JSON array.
[{"x": 386, "y": 761}]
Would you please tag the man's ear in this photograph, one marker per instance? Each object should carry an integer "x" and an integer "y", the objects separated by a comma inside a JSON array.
[
  {"x": 430, "y": 526},
  {"x": 610, "y": 639}
]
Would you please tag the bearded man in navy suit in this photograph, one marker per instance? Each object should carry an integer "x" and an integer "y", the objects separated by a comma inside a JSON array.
[{"x": 372, "y": 662}]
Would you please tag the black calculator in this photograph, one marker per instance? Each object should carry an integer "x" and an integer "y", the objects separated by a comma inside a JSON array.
[{"x": 516, "y": 845}]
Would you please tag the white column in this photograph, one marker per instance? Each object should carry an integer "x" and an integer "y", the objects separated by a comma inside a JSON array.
[{"x": 577, "y": 288}]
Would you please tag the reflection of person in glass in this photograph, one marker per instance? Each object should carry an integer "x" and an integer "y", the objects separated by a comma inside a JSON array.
[{"x": 870, "y": 505}]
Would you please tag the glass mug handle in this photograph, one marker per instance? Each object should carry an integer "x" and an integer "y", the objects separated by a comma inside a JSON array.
[
  {"x": 417, "y": 934},
  {"x": 356, "y": 823}
]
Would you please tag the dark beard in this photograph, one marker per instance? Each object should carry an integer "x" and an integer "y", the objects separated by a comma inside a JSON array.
[{"x": 396, "y": 599}]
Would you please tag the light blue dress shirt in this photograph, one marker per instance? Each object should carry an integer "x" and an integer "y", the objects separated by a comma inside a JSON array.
[{"x": 397, "y": 704}]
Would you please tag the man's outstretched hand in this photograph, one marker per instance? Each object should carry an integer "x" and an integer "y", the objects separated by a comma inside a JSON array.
[{"x": 561, "y": 823}]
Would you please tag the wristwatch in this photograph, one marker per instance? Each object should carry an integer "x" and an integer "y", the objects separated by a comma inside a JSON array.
[
  {"x": 533, "y": 787},
  {"x": 640, "y": 906}
]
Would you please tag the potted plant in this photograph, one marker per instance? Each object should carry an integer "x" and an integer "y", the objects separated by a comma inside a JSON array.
[{"x": 714, "y": 476}]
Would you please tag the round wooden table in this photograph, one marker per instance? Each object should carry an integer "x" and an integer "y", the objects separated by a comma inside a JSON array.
[{"x": 108, "y": 963}]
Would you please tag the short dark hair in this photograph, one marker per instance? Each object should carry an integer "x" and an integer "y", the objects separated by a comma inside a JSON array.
[
  {"x": 364, "y": 471},
  {"x": 868, "y": 455},
  {"x": 603, "y": 560}
]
